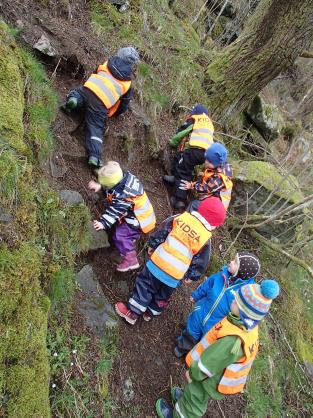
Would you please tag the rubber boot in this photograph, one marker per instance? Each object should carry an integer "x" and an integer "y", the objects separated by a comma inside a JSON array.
[{"x": 129, "y": 262}]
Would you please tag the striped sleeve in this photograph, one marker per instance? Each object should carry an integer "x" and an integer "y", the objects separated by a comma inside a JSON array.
[
  {"x": 214, "y": 184},
  {"x": 117, "y": 210}
]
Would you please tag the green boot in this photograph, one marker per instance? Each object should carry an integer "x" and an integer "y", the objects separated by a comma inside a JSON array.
[
  {"x": 69, "y": 105},
  {"x": 176, "y": 393},
  {"x": 95, "y": 162},
  {"x": 163, "y": 409}
]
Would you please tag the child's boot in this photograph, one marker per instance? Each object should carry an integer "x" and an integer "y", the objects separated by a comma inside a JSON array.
[
  {"x": 69, "y": 105},
  {"x": 124, "y": 312},
  {"x": 129, "y": 262},
  {"x": 147, "y": 316},
  {"x": 163, "y": 409},
  {"x": 176, "y": 393}
]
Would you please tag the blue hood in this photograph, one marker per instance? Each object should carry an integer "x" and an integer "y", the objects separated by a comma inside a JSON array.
[{"x": 120, "y": 69}]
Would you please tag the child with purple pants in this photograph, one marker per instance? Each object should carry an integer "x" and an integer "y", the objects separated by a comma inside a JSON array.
[{"x": 129, "y": 210}]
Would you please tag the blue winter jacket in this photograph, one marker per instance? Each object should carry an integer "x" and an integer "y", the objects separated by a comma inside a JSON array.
[{"x": 213, "y": 299}]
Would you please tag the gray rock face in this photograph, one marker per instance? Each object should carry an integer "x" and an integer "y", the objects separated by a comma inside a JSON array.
[
  {"x": 99, "y": 239},
  {"x": 128, "y": 392},
  {"x": 309, "y": 368},
  {"x": 97, "y": 311},
  {"x": 266, "y": 118},
  {"x": 5, "y": 218},
  {"x": 43, "y": 45},
  {"x": 71, "y": 197}
]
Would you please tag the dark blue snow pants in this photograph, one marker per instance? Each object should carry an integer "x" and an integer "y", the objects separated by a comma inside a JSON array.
[
  {"x": 95, "y": 119},
  {"x": 149, "y": 293}
]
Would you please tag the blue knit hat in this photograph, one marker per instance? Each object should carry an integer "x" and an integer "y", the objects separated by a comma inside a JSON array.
[
  {"x": 254, "y": 301},
  {"x": 216, "y": 154},
  {"x": 199, "y": 109}
]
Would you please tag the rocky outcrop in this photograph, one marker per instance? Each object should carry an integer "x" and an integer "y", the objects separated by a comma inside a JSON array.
[
  {"x": 98, "y": 313},
  {"x": 266, "y": 118}
]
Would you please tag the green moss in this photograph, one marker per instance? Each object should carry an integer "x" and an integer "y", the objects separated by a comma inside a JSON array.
[
  {"x": 171, "y": 71},
  {"x": 11, "y": 93},
  {"x": 42, "y": 239},
  {"x": 270, "y": 178},
  {"x": 41, "y": 106}
]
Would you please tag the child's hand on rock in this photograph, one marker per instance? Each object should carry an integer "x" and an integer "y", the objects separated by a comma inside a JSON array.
[
  {"x": 191, "y": 299},
  {"x": 98, "y": 225},
  {"x": 93, "y": 185},
  {"x": 150, "y": 251},
  {"x": 187, "y": 281}
]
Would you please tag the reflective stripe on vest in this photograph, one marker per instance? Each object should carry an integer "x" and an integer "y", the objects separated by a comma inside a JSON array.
[
  {"x": 225, "y": 193},
  {"x": 186, "y": 239},
  {"x": 144, "y": 212},
  {"x": 106, "y": 87},
  {"x": 235, "y": 375},
  {"x": 202, "y": 132}
]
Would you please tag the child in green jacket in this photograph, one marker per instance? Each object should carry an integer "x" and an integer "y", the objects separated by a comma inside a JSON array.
[{"x": 221, "y": 362}]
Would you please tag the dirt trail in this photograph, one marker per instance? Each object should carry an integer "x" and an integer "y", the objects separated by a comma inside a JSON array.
[{"x": 145, "y": 349}]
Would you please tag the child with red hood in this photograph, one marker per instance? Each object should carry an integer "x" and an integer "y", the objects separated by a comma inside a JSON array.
[{"x": 179, "y": 252}]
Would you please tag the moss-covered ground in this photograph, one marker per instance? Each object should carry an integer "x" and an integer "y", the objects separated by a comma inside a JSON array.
[{"x": 36, "y": 244}]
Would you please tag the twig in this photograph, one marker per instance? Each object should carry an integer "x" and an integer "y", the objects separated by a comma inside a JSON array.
[
  {"x": 240, "y": 230},
  {"x": 280, "y": 250},
  {"x": 55, "y": 70},
  {"x": 220, "y": 408}
]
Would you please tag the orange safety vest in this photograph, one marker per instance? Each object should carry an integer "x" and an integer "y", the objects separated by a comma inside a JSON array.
[
  {"x": 144, "y": 212},
  {"x": 189, "y": 234},
  {"x": 225, "y": 193},
  {"x": 202, "y": 133},
  {"x": 235, "y": 375},
  {"x": 107, "y": 88}
]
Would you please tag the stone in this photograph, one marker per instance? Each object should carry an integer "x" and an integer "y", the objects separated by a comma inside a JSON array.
[
  {"x": 58, "y": 167},
  {"x": 98, "y": 313},
  {"x": 309, "y": 367},
  {"x": 72, "y": 197},
  {"x": 44, "y": 46},
  {"x": 99, "y": 239},
  {"x": 128, "y": 392},
  {"x": 266, "y": 118},
  {"x": 5, "y": 218}
]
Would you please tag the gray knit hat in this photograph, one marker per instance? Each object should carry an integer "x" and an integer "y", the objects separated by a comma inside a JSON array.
[{"x": 128, "y": 55}]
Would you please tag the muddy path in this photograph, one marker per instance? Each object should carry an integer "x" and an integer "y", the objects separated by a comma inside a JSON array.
[{"x": 145, "y": 350}]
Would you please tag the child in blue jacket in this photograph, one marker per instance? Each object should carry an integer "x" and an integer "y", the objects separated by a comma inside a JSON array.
[{"x": 214, "y": 297}]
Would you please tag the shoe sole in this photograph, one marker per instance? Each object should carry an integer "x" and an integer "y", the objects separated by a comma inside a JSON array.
[
  {"x": 127, "y": 318},
  {"x": 134, "y": 267}
]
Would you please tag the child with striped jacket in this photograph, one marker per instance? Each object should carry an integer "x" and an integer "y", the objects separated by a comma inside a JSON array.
[{"x": 129, "y": 211}]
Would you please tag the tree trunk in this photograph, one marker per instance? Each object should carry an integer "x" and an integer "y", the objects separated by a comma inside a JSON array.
[{"x": 275, "y": 35}]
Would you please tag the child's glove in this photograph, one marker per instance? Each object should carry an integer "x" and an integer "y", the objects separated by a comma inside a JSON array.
[
  {"x": 93, "y": 185},
  {"x": 185, "y": 185},
  {"x": 98, "y": 225}
]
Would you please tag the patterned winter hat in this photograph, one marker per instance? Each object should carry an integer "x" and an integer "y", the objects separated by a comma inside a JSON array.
[
  {"x": 248, "y": 265},
  {"x": 129, "y": 55},
  {"x": 110, "y": 174},
  {"x": 254, "y": 301}
]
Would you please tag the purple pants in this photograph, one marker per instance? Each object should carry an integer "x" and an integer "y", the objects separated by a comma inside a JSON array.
[{"x": 124, "y": 238}]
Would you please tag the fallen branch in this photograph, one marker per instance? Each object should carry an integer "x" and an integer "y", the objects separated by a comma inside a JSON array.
[{"x": 280, "y": 250}]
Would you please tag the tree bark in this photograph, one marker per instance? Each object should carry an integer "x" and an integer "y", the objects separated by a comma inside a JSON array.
[{"x": 275, "y": 35}]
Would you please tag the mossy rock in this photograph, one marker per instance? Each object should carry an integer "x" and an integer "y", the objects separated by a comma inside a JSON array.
[{"x": 266, "y": 118}]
